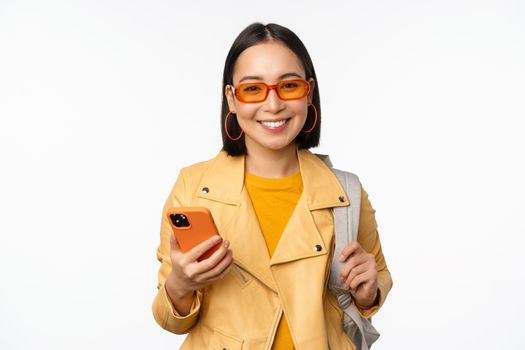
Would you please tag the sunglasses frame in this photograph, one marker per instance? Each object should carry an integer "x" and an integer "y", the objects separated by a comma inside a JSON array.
[{"x": 236, "y": 89}]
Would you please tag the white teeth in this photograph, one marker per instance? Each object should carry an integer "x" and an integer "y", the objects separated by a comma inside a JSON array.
[{"x": 274, "y": 124}]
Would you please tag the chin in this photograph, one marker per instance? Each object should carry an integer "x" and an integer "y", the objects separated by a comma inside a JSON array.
[
  {"x": 272, "y": 143},
  {"x": 277, "y": 146}
]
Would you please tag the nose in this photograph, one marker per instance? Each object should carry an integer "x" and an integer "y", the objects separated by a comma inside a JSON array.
[{"x": 273, "y": 103}]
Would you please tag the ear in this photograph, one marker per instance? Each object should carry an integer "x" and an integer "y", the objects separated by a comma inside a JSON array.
[
  {"x": 229, "y": 97},
  {"x": 312, "y": 88}
]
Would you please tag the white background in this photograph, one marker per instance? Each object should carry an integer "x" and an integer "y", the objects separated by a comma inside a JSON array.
[{"x": 102, "y": 102}]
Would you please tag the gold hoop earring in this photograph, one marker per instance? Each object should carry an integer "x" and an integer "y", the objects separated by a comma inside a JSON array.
[
  {"x": 315, "y": 120},
  {"x": 226, "y": 129}
]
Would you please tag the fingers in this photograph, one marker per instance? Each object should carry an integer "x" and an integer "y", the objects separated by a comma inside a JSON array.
[
  {"x": 216, "y": 266},
  {"x": 360, "y": 268},
  {"x": 202, "y": 248},
  {"x": 354, "y": 261},
  {"x": 221, "y": 269},
  {"x": 364, "y": 287},
  {"x": 350, "y": 281},
  {"x": 352, "y": 248},
  {"x": 211, "y": 262},
  {"x": 364, "y": 281},
  {"x": 225, "y": 272}
]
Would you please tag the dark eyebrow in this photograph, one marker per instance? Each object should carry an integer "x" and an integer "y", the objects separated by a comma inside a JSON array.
[{"x": 285, "y": 75}]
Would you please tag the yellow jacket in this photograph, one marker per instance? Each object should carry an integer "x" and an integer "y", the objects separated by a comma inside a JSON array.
[{"x": 242, "y": 310}]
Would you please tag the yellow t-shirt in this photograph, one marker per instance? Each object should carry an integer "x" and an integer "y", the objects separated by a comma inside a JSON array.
[{"x": 274, "y": 200}]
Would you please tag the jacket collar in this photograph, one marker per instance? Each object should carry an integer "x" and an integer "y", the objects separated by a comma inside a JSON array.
[{"x": 224, "y": 181}]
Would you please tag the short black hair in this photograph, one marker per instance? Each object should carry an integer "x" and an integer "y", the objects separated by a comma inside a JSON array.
[{"x": 254, "y": 34}]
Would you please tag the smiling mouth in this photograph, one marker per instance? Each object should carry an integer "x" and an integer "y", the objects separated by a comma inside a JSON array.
[{"x": 274, "y": 124}]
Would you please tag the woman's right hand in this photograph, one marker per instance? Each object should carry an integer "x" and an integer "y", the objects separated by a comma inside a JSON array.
[{"x": 187, "y": 274}]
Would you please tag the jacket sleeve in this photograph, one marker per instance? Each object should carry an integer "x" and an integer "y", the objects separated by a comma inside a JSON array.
[
  {"x": 368, "y": 238},
  {"x": 163, "y": 310}
]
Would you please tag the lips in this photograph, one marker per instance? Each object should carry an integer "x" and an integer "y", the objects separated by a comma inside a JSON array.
[{"x": 273, "y": 124}]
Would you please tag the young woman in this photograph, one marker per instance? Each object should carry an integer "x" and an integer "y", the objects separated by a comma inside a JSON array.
[{"x": 272, "y": 201}]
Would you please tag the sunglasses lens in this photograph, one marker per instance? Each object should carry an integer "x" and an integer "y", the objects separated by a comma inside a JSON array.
[
  {"x": 251, "y": 92},
  {"x": 286, "y": 89},
  {"x": 292, "y": 89}
]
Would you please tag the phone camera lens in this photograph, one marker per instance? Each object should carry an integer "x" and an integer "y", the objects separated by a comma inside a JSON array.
[{"x": 179, "y": 220}]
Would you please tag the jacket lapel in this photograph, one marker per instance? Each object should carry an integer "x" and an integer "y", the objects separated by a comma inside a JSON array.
[
  {"x": 321, "y": 189},
  {"x": 249, "y": 247},
  {"x": 300, "y": 238},
  {"x": 224, "y": 183}
]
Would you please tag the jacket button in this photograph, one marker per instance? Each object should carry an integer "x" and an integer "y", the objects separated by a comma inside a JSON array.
[
  {"x": 205, "y": 190},
  {"x": 318, "y": 247},
  {"x": 341, "y": 199}
]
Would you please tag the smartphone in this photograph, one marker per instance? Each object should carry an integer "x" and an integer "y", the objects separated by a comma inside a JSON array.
[{"x": 191, "y": 226}]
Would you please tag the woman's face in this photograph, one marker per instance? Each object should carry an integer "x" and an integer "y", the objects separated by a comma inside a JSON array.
[{"x": 261, "y": 122}]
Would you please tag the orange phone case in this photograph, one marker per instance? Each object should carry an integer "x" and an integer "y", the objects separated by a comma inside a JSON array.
[{"x": 201, "y": 227}]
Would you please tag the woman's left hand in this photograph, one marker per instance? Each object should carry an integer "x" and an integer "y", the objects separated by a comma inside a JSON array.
[{"x": 359, "y": 274}]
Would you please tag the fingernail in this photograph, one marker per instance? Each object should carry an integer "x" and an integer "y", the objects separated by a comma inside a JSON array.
[
  {"x": 341, "y": 258},
  {"x": 217, "y": 239}
]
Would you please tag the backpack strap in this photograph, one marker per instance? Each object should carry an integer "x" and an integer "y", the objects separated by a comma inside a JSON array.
[
  {"x": 346, "y": 226},
  {"x": 346, "y": 219},
  {"x": 352, "y": 186}
]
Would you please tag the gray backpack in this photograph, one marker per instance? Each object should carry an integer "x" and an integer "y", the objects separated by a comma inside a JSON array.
[{"x": 346, "y": 223}]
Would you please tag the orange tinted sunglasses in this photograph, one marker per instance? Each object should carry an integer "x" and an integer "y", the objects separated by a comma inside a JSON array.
[{"x": 258, "y": 91}]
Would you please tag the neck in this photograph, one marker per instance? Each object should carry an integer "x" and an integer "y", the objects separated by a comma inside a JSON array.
[{"x": 272, "y": 163}]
